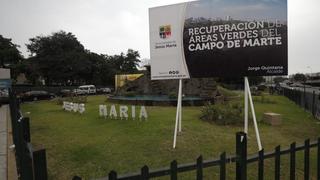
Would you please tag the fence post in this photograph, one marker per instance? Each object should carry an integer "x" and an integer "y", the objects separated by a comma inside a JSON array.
[
  {"x": 174, "y": 170},
  {"x": 301, "y": 98},
  {"x": 144, "y": 173},
  {"x": 112, "y": 175},
  {"x": 24, "y": 154},
  {"x": 306, "y": 159},
  {"x": 40, "y": 164},
  {"x": 318, "y": 159},
  {"x": 313, "y": 103},
  {"x": 304, "y": 97},
  {"x": 15, "y": 130},
  {"x": 25, "y": 122},
  {"x": 199, "y": 168},
  {"x": 293, "y": 161},
  {"x": 223, "y": 166},
  {"x": 261, "y": 165},
  {"x": 277, "y": 163},
  {"x": 241, "y": 159},
  {"x": 298, "y": 98},
  {"x": 76, "y": 178},
  {"x": 14, "y": 116}
]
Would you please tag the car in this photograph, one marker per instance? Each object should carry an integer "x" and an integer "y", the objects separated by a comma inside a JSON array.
[
  {"x": 104, "y": 90},
  {"x": 4, "y": 96},
  {"x": 85, "y": 89},
  {"x": 36, "y": 95},
  {"x": 78, "y": 92},
  {"x": 65, "y": 93}
]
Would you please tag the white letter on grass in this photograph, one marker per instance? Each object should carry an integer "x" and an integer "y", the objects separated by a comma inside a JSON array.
[
  {"x": 113, "y": 112},
  {"x": 133, "y": 112},
  {"x": 103, "y": 111},
  {"x": 82, "y": 108},
  {"x": 75, "y": 107},
  {"x": 143, "y": 113},
  {"x": 123, "y": 112}
]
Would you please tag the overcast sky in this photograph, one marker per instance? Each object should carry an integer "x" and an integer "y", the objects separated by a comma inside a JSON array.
[{"x": 113, "y": 26}]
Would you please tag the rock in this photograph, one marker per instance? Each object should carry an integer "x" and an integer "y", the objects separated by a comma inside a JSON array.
[
  {"x": 203, "y": 87},
  {"x": 272, "y": 119}
]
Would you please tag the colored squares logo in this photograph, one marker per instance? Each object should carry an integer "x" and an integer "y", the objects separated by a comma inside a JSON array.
[{"x": 165, "y": 31}]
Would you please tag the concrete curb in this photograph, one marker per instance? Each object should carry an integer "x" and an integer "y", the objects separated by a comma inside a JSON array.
[{"x": 4, "y": 141}]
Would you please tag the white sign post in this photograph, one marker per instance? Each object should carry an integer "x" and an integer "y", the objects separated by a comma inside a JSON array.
[
  {"x": 178, "y": 114},
  {"x": 247, "y": 94}
]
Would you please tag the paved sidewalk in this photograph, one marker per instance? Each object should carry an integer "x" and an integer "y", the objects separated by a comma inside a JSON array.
[{"x": 4, "y": 115}]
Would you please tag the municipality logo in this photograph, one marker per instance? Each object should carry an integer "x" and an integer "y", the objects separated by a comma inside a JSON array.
[{"x": 165, "y": 31}]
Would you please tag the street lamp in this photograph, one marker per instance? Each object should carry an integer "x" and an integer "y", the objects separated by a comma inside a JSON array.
[{"x": 310, "y": 70}]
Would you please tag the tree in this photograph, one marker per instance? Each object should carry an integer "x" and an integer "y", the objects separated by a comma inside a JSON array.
[
  {"x": 62, "y": 60},
  {"x": 299, "y": 77},
  {"x": 125, "y": 63},
  {"x": 103, "y": 72},
  {"x": 59, "y": 58},
  {"x": 256, "y": 80},
  {"x": 9, "y": 53},
  {"x": 279, "y": 79},
  {"x": 253, "y": 80},
  {"x": 131, "y": 61}
]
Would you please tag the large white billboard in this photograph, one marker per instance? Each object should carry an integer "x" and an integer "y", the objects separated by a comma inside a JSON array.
[{"x": 211, "y": 38}]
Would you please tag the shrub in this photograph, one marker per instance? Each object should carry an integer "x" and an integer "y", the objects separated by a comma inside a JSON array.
[
  {"x": 223, "y": 114},
  {"x": 172, "y": 95},
  {"x": 256, "y": 93},
  {"x": 130, "y": 94}
]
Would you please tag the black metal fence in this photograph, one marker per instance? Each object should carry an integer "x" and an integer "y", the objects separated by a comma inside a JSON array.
[
  {"x": 241, "y": 160},
  {"x": 31, "y": 163},
  {"x": 309, "y": 100}
]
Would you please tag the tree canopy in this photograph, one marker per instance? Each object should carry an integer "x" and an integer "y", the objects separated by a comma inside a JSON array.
[
  {"x": 61, "y": 59},
  {"x": 299, "y": 77},
  {"x": 9, "y": 53}
]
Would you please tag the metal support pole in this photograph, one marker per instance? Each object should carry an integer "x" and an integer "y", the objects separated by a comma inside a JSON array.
[
  {"x": 180, "y": 101},
  {"x": 245, "y": 107},
  {"x": 177, "y": 115},
  {"x": 253, "y": 115}
]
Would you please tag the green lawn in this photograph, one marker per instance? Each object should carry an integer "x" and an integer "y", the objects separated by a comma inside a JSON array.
[{"x": 89, "y": 146}]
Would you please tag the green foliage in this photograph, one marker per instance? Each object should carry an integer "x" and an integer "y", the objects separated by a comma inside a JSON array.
[
  {"x": 61, "y": 59},
  {"x": 223, "y": 114},
  {"x": 173, "y": 95},
  {"x": 255, "y": 92},
  {"x": 58, "y": 58},
  {"x": 9, "y": 53},
  {"x": 227, "y": 81},
  {"x": 74, "y": 99},
  {"x": 226, "y": 92},
  {"x": 125, "y": 63},
  {"x": 299, "y": 77},
  {"x": 130, "y": 94},
  {"x": 279, "y": 79},
  {"x": 10, "y": 56}
]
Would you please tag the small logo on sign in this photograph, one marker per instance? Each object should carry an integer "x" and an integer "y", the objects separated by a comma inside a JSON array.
[{"x": 165, "y": 31}]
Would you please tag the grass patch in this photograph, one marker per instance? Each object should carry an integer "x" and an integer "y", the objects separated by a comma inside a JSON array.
[{"x": 89, "y": 146}]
